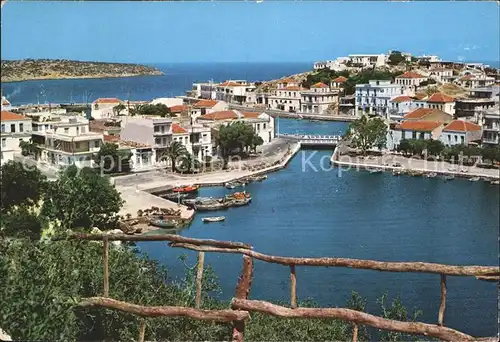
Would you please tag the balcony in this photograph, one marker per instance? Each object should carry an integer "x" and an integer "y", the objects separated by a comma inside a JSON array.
[{"x": 493, "y": 139}]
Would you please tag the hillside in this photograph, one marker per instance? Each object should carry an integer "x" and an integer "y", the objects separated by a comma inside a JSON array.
[{"x": 39, "y": 69}]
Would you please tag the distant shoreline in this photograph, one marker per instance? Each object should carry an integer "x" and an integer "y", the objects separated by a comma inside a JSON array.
[{"x": 48, "y": 78}]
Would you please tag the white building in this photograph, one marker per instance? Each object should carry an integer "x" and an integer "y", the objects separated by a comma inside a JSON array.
[
  {"x": 68, "y": 142},
  {"x": 196, "y": 138},
  {"x": 441, "y": 75},
  {"x": 203, "y": 107},
  {"x": 168, "y": 101},
  {"x": 103, "y": 108},
  {"x": 399, "y": 107},
  {"x": 320, "y": 99},
  {"x": 440, "y": 101},
  {"x": 419, "y": 129},
  {"x": 375, "y": 97},
  {"x": 15, "y": 128},
  {"x": 490, "y": 121},
  {"x": 410, "y": 81},
  {"x": 205, "y": 90},
  {"x": 5, "y": 105},
  {"x": 460, "y": 132},
  {"x": 262, "y": 123},
  {"x": 368, "y": 60},
  {"x": 287, "y": 96},
  {"x": 338, "y": 83},
  {"x": 233, "y": 91},
  {"x": 479, "y": 101},
  {"x": 471, "y": 81},
  {"x": 430, "y": 58}
]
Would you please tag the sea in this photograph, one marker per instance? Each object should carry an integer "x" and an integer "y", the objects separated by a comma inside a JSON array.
[{"x": 310, "y": 209}]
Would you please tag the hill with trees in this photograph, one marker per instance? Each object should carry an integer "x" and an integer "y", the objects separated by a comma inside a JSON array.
[{"x": 40, "y": 69}]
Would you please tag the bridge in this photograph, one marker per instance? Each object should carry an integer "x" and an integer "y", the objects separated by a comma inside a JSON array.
[{"x": 313, "y": 140}]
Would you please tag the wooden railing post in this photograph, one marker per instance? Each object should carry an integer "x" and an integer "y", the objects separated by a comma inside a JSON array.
[
  {"x": 355, "y": 333},
  {"x": 242, "y": 292},
  {"x": 199, "y": 278},
  {"x": 142, "y": 330},
  {"x": 293, "y": 287},
  {"x": 442, "y": 307},
  {"x": 106, "y": 266}
]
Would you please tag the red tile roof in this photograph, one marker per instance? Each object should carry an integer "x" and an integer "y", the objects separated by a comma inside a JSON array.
[
  {"x": 440, "y": 98},
  {"x": 319, "y": 85},
  {"x": 5, "y": 102},
  {"x": 8, "y": 116},
  {"x": 220, "y": 115},
  {"x": 292, "y": 88},
  {"x": 205, "y": 103},
  {"x": 178, "y": 108},
  {"x": 111, "y": 138},
  {"x": 178, "y": 129},
  {"x": 232, "y": 84},
  {"x": 466, "y": 77},
  {"x": 410, "y": 74},
  {"x": 287, "y": 80},
  {"x": 420, "y": 96},
  {"x": 418, "y": 113},
  {"x": 340, "y": 79},
  {"x": 251, "y": 115},
  {"x": 422, "y": 126},
  {"x": 402, "y": 99},
  {"x": 462, "y": 126},
  {"x": 108, "y": 100}
]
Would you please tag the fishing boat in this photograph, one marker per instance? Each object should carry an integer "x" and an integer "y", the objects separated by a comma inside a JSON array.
[
  {"x": 186, "y": 189},
  {"x": 211, "y": 205},
  {"x": 175, "y": 196},
  {"x": 375, "y": 170},
  {"x": 495, "y": 182},
  {"x": 240, "y": 202},
  {"x": 163, "y": 223},
  {"x": 474, "y": 179},
  {"x": 213, "y": 219},
  {"x": 258, "y": 178},
  {"x": 449, "y": 178},
  {"x": 193, "y": 201},
  {"x": 237, "y": 196},
  {"x": 431, "y": 175}
]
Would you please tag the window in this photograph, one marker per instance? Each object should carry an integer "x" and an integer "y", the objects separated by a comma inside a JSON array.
[
  {"x": 66, "y": 130},
  {"x": 13, "y": 128},
  {"x": 157, "y": 129},
  {"x": 3, "y": 128},
  {"x": 4, "y": 142},
  {"x": 264, "y": 126},
  {"x": 97, "y": 143},
  {"x": 83, "y": 129},
  {"x": 258, "y": 127},
  {"x": 449, "y": 137},
  {"x": 158, "y": 141},
  {"x": 462, "y": 139},
  {"x": 77, "y": 130},
  {"x": 77, "y": 145}
]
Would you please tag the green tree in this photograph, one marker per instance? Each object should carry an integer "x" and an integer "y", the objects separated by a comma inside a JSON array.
[
  {"x": 119, "y": 108},
  {"x": 20, "y": 185},
  {"x": 489, "y": 153},
  {"x": 396, "y": 58},
  {"x": 175, "y": 152},
  {"x": 29, "y": 148},
  {"x": 111, "y": 160},
  {"x": 21, "y": 223},
  {"x": 158, "y": 109},
  {"x": 405, "y": 146},
  {"x": 434, "y": 147},
  {"x": 189, "y": 164},
  {"x": 82, "y": 199},
  {"x": 365, "y": 133},
  {"x": 418, "y": 146},
  {"x": 396, "y": 311}
]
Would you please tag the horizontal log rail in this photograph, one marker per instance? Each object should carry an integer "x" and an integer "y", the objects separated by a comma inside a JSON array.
[
  {"x": 415, "y": 328},
  {"x": 162, "y": 237},
  {"x": 227, "y": 315},
  {"x": 387, "y": 266}
]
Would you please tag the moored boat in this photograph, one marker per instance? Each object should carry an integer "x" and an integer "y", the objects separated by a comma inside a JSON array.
[
  {"x": 258, "y": 178},
  {"x": 241, "y": 202},
  {"x": 495, "y": 182},
  {"x": 416, "y": 173},
  {"x": 161, "y": 223},
  {"x": 213, "y": 219},
  {"x": 397, "y": 173},
  {"x": 238, "y": 196},
  {"x": 449, "y": 178},
  {"x": 186, "y": 189},
  {"x": 175, "y": 196},
  {"x": 474, "y": 179},
  {"x": 431, "y": 175},
  {"x": 210, "y": 206},
  {"x": 375, "y": 170}
]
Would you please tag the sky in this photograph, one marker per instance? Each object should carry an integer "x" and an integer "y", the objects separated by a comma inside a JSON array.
[{"x": 279, "y": 31}]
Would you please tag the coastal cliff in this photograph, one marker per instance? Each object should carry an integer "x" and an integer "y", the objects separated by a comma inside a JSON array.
[{"x": 42, "y": 69}]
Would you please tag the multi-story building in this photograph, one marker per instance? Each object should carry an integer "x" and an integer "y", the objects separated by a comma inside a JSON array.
[
  {"x": 472, "y": 81},
  {"x": 442, "y": 102},
  {"x": 204, "y": 90},
  {"x": 262, "y": 123},
  {"x": 479, "y": 100},
  {"x": 442, "y": 75},
  {"x": 320, "y": 99},
  {"x": 368, "y": 60},
  {"x": 196, "y": 138},
  {"x": 233, "y": 91},
  {"x": 399, "y": 107},
  {"x": 490, "y": 122},
  {"x": 287, "y": 96},
  {"x": 67, "y": 141},
  {"x": 15, "y": 129},
  {"x": 203, "y": 107},
  {"x": 375, "y": 97},
  {"x": 410, "y": 81},
  {"x": 338, "y": 83},
  {"x": 5, "y": 105},
  {"x": 460, "y": 132}
]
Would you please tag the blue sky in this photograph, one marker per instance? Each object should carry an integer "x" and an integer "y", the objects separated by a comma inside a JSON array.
[{"x": 280, "y": 31}]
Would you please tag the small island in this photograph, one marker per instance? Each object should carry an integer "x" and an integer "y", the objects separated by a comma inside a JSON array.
[{"x": 44, "y": 69}]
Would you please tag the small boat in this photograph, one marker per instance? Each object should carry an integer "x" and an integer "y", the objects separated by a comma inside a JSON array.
[
  {"x": 241, "y": 202},
  {"x": 213, "y": 219},
  {"x": 397, "y": 173},
  {"x": 210, "y": 206},
  {"x": 416, "y": 173},
  {"x": 186, "y": 189},
  {"x": 449, "y": 178},
  {"x": 163, "y": 223},
  {"x": 237, "y": 196},
  {"x": 258, "y": 178},
  {"x": 175, "y": 196},
  {"x": 431, "y": 175},
  {"x": 193, "y": 201},
  {"x": 375, "y": 170},
  {"x": 474, "y": 179},
  {"x": 495, "y": 182}
]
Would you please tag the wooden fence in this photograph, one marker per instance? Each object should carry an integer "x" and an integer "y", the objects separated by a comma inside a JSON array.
[{"x": 241, "y": 306}]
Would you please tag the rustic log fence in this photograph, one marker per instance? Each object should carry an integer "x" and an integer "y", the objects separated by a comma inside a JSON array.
[{"x": 241, "y": 306}]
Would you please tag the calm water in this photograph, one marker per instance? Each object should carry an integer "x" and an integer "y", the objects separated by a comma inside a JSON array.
[
  {"x": 359, "y": 215},
  {"x": 177, "y": 79}
]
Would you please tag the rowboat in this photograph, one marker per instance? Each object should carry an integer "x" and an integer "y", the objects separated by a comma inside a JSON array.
[
  {"x": 175, "y": 196},
  {"x": 495, "y": 182},
  {"x": 258, "y": 178},
  {"x": 237, "y": 196},
  {"x": 474, "y": 179},
  {"x": 213, "y": 219},
  {"x": 163, "y": 223},
  {"x": 241, "y": 202},
  {"x": 375, "y": 170},
  {"x": 193, "y": 201},
  {"x": 431, "y": 175},
  {"x": 449, "y": 178},
  {"x": 186, "y": 189},
  {"x": 397, "y": 173},
  {"x": 210, "y": 206}
]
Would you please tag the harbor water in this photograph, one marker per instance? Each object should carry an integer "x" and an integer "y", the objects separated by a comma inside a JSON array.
[{"x": 316, "y": 211}]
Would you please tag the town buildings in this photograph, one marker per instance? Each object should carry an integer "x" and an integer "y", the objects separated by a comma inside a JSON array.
[
  {"x": 15, "y": 129},
  {"x": 320, "y": 99},
  {"x": 68, "y": 141},
  {"x": 203, "y": 107},
  {"x": 233, "y": 91},
  {"x": 374, "y": 97},
  {"x": 287, "y": 96},
  {"x": 472, "y": 81},
  {"x": 490, "y": 122},
  {"x": 479, "y": 101},
  {"x": 460, "y": 132},
  {"x": 103, "y": 108},
  {"x": 204, "y": 90},
  {"x": 410, "y": 81}
]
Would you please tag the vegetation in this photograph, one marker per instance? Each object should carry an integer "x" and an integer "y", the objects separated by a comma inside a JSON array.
[
  {"x": 119, "y": 108},
  {"x": 324, "y": 75},
  {"x": 33, "y": 69},
  {"x": 29, "y": 148},
  {"x": 158, "y": 109},
  {"x": 365, "y": 133},
  {"x": 396, "y": 58},
  {"x": 237, "y": 136},
  {"x": 189, "y": 164},
  {"x": 111, "y": 160}
]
